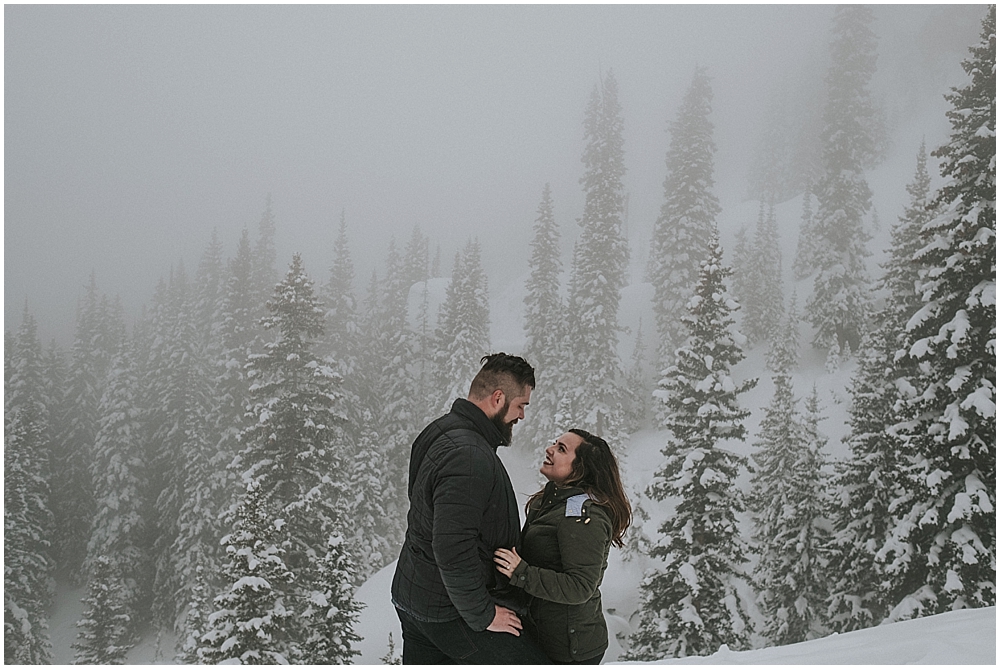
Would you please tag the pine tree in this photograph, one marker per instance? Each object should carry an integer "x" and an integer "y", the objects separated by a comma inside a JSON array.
[
  {"x": 416, "y": 272},
  {"x": 195, "y": 619},
  {"x": 463, "y": 333},
  {"x": 805, "y": 250},
  {"x": 946, "y": 555},
  {"x": 120, "y": 531},
  {"x": 294, "y": 446},
  {"x": 106, "y": 633},
  {"x": 250, "y": 618},
  {"x": 870, "y": 481},
  {"x": 593, "y": 400},
  {"x": 27, "y": 517},
  {"x": 687, "y": 217},
  {"x": 98, "y": 329},
  {"x": 331, "y": 611},
  {"x": 744, "y": 273},
  {"x": 690, "y": 605},
  {"x": 264, "y": 272},
  {"x": 901, "y": 272},
  {"x": 368, "y": 525},
  {"x": 416, "y": 258},
  {"x": 180, "y": 444},
  {"x": 762, "y": 301},
  {"x": 240, "y": 338},
  {"x": 390, "y": 385},
  {"x": 343, "y": 328},
  {"x": 543, "y": 313},
  {"x": 638, "y": 385},
  {"x": 209, "y": 290},
  {"x": 791, "y": 531},
  {"x": 783, "y": 354},
  {"x": 839, "y": 306}
]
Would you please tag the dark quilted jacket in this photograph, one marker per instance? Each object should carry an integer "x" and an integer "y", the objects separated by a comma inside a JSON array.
[
  {"x": 564, "y": 556},
  {"x": 462, "y": 507}
]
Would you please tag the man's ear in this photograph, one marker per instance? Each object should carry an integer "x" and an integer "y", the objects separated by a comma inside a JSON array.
[{"x": 497, "y": 398}]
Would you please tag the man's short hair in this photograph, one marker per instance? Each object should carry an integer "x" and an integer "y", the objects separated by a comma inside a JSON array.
[{"x": 509, "y": 373}]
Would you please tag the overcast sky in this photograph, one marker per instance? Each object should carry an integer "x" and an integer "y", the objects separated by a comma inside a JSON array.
[{"x": 132, "y": 131}]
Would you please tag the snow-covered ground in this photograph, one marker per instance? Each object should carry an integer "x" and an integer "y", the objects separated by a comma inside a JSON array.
[{"x": 959, "y": 637}]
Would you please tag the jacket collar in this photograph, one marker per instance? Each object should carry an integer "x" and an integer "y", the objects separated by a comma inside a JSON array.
[
  {"x": 559, "y": 494},
  {"x": 483, "y": 425}
]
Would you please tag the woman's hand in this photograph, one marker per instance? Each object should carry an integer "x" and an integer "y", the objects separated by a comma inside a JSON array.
[{"x": 507, "y": 560}]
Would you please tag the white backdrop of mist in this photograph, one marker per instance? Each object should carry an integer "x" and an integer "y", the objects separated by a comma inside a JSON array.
[{"x": 132, "y": 131}]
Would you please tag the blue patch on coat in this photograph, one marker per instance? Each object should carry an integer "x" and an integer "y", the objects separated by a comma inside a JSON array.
[{"x": 574, "y": 505}]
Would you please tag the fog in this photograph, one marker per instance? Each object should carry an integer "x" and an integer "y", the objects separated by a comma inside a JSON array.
[{"x": 131, "y": 132}]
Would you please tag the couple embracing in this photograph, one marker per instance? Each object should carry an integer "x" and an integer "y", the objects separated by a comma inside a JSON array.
[{"x": 472, "y": 587}]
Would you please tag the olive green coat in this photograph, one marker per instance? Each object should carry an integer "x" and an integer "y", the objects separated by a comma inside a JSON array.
[{"x": 563, "y": 558}]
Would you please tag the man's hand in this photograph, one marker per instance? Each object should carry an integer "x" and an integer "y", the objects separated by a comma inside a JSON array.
[{"x": 505, "y": 620}]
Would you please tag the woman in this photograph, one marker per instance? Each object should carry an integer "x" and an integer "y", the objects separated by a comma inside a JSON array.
[{"x": 570, "y": 527}]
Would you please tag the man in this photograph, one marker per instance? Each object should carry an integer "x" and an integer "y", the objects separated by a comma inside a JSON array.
[{"x": 452, "y": 603}]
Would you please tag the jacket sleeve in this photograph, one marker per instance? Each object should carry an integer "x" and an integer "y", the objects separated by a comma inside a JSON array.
[
  {"x": 461, "y": 496},
  {"x": 582, "y": 548}
]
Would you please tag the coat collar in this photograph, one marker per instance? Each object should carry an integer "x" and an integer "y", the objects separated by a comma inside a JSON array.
[
  {"x": 483, "y": 425},
  {"x": 558, "y": 494}
]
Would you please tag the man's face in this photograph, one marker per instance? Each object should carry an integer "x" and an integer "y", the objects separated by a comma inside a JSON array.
[{"x": 511, "y": 412}]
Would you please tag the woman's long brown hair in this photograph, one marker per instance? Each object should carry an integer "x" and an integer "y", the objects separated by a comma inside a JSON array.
[{"x": 595, "y": 471}]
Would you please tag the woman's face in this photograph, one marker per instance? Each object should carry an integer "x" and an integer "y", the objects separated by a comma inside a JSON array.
[{"x": 558, "y": 464}]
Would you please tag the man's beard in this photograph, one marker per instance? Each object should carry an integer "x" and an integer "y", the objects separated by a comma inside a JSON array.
[{"x": 506, "y": 429}]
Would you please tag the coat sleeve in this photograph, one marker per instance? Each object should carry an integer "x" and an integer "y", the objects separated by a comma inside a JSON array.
[
  {"x": 461, "y": 497},
  {"x": 582, "y": 549}
]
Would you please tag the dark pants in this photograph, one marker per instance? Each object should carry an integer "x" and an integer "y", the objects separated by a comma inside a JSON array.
[
  {"x": 590, "y": 660},
  {"x": 454, "y": 642}
]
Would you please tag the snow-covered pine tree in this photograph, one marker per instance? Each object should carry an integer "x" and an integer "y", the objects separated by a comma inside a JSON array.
[
  {"x": 598, "y": 273},
  {"x": 805, "y": 249},
  {"x": 771, "y": 176},
  {"x": 121, "y": 532},
  {"x": 294, "y": 446},
  {"x": 331, "y": 611},
  {"x": 416, "y": 272},
  {"x": 390, "y": 386},
  {"x": 209, "y": 290},
  {"x": 416, "y": 258},
  {"x": 252, "y": 615},
  {"x": 177, "y": 389},
  {"x": 783, "y": 353},
  {"x": 763, "y": 302},
  {"x": 690, "y": 605},
  {"x": 343, "y": 328},
  {"x": 106, "y": 629},
  {"x": 946, "y": 537},
  {"x": 239, "y": 334},
  {"x": 264, "y": 273},
  {"x": 369, "y": 528},
  {"x": 196, "y": 615},
  {"x": 94, "y": 344},
  {"x": 638, "y": 385},
  {"x": 436, "y": 263},
  {"x": 365, "y": 461},
  {"x": 870, "y": 482},
  {"x": 791, "y": 530},
  {"x": 27, "y": 516},
  {"x": 687, "y": 217},
  {"x": 463, "y": 332},
  {"x": 742, "y": 264},
  {"x": 544, "y": 311},
  {"x": 901, "y": 271},
  {"x": 839, "y": 306}
]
